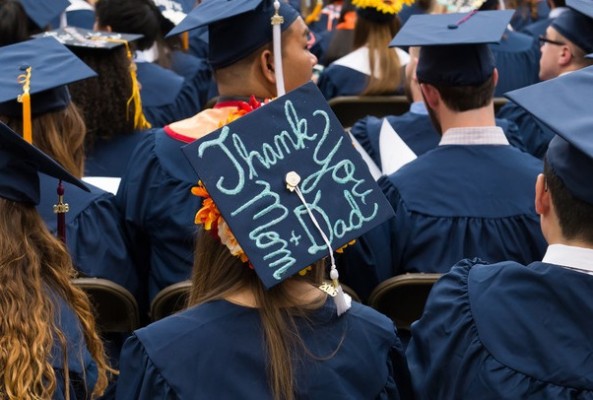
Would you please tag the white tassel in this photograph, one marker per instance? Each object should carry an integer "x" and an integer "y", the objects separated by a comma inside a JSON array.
[{"x": 277, "y": 21}]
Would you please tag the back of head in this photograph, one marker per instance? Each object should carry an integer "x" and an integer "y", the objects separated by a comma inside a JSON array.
[
  {"x": 131, "y": 16},
  {"x": 576, "y": 25},
  {"x": 15, "y": 26}
]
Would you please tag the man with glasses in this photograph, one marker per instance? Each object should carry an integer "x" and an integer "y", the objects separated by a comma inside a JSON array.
[{"x": 567, "y": 41}]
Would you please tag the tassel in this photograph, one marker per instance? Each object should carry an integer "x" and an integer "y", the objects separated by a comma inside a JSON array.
[
  {"x": 61, "y": 209},
  {"x": 315, "y": 14},
  {"x": 277, "y": 21},
  {"x": 25, "y": 99},
  {"x": 140, "y": 121},
  {"x": 185, "y": 41},
  {"x": 342, "y": 300}
]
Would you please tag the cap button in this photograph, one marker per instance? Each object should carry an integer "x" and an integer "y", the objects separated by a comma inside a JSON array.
[
  {"x": 452, "y": 26},
  {"x": 23, "y": 67}
]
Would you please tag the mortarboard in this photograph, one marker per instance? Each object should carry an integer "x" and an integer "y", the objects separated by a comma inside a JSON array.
[
  {"x": 175, "y": 10},
  {"x": 454, "y": 47},
  {"x": 576, "y": 23},
  {"x": 44, "y": 11},
  {"x": 20, "y": 163},
  {"x": 79, "y": 38},
  {"x": 589, "y": 55},
  {"x": 563, "y": 104},
  {"x": 236, "y": 27},
  {"x": 249, "y": 178},
  {"x": 34, "y": 75}
]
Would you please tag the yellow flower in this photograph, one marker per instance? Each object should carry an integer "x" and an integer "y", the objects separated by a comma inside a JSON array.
[
  {"x": 341, "y": 249},
  {"x": 384, "y": 6},
  {"x": 209, "y": 214}
]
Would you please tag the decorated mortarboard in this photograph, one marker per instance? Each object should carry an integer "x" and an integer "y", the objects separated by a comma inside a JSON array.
[
  {"x": 79, "y": 38},
  {"x": 33, "y": 78},
  {"x": 379, "y": 10},
  {"x": 42, "y": 12},
  {"x": 20, "y": 163},
  {"x": 175, "y": 10},
  {"x": 288, "y": 184},
  {"x": 236, "y": 27},
  {"x": 454, "y": 47},
  {"x": 576, "y": 23},
  {"x": 564, "y": 105}
]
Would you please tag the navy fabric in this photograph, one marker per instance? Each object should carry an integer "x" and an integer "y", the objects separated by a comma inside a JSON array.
[
  {"x": 505, "y": 331},
  {"x": 198, "y": 42},
  {"x": 523, "y": 15},
  {"x": 576, "y": 27},
  {"x": 538, "y": 28},
  {"x": 196, "y": 72},
  {"x": 517, "y": 61},
  {"x": 408, "y": 10},
  {"x": 44, "y": 12},
  {"x": 81, "y": 18},
  {"x": 109, "y": 157},
  {"x": 82, "y": 369},
  {"x": 158, "y": 207},
  {"x": 95, "y": 234},
  {"x": 535, "y": 135},
  {"x": 460, "y": 201},
  {"x": 216, "y": 350},
  {"x": 166, "y": 96}
]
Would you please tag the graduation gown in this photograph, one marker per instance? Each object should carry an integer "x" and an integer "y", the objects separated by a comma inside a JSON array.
[
  {"x": 537, "y": 28},
  {"x": 109, "y": 157},
  {"x": 95, "y": 234},
  {"x": 517, "y": 61},
  {"x": 166, "y": 96},
  {"x": 535, "y": 136},
  {"x": 460, "y": 201},
  {"x": 216, "y": 351},
  {"x": 196, "y": 72},
  {"x": 82, "y": 369},
  {"x": 505, "y": 331},
  {"x": 349, "y": 75}
]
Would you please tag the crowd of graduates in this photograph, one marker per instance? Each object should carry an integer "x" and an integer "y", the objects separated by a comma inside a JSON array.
[{"x": 171, "y": 140}]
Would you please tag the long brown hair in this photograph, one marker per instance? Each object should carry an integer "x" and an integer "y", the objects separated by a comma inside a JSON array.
[
  {"x": 59, "y": 134},
  {"x": 34, "y": 266},
  {"x": 383, "y": 59},
  {"x": 218, "y": 274}
]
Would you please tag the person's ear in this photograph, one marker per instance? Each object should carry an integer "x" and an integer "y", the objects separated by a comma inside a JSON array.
[
  {"x": 543, "y": 200},
  {"x": 432, "y": 96},
  {"x": 495, "y": 76},
  {"x": 266, "y": 61}
]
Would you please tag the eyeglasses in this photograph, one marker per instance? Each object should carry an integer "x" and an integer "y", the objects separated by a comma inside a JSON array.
[{"x": 543, "y": 40}]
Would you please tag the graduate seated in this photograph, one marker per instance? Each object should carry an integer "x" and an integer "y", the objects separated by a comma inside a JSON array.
[
  {"x": 81, "y": 14},
  {"x": 153, "y": 191},
  {"x": 471, "y": 196},
  {"x": 19, "y": 19},
  {"x": 263, "y": 321},
  {"x": 371, "y": 68},
  {"x": 50, "y": 349},
  {"x": 538, "y": 28},
  {"x": 563, "y": 48},
  {"x": 506, "y": 330}
]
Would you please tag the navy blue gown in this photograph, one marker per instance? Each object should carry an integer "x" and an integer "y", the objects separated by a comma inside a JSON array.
[
  {"x": 159, "y": 209},
  {"x": 95, "y": 234},
  {"x": 517, "y": 61},
  {"x": 109, "y": 157},
  {"x": 216, "y": 351},
  {"x": 505, "y": 331},
  {"x": 535, "y": 136},
  {"x": 166, "y": 96},
  {"x": 82, "y": 369},
  {"x": 196, "y": 72},
  {"x": 537, "y": 28},
  {"x": 461, "y": 201}
]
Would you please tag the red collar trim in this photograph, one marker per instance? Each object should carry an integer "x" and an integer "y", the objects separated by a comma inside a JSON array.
[{"x": 177, "y": 136}]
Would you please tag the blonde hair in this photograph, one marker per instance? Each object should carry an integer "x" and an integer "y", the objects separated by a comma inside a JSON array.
[
  {"x": 217, "y": 274},
  {"x": 60, "y": 134},
  {"x": 382, "y": 59},
  {"x": 34, "y": 266}
]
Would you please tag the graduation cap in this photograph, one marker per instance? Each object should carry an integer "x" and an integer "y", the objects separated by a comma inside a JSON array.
[
  {"x": 270, "y": 187},
  {"x": 175, "y": 10},
  {"x": 79, "y": 38},
  {"x": 563, "y": 105},
  {"x": 576, "y": 23},
  {"x": 236, "y": 27},
  {"x": 454, "y": 47},
  {"x": 379, "y": 10},
  {"x": 33, "y": 78},
  {"x": 20, "y": 163},
  {"x": 42, "y": 12}
]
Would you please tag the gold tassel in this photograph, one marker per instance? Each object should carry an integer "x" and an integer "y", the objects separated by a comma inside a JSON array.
[
  {"x": 25, "y": 99},
  {"x": 185, "y": 41},
  {"x": 315, "y": 14}
]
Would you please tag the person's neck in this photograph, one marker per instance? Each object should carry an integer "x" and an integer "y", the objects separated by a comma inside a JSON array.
[
  {"x": 481, "y": 117},
  {"x": 303, "y": 293}
]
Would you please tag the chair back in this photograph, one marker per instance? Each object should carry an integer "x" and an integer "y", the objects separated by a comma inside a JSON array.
[
  {"x": 170, "y": 300},
  {"x": 402, "y": 298},
  {"x": 115, "y": 308},
  {"x": 350, "y": 109}
]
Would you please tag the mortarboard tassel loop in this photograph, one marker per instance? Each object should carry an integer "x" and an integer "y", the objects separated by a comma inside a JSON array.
[
  {"x": 61, "y": 209},
  {"x": 25, "y": 99},
  {"x": 343, "y": 301},
  {"x": 315, "y": 14},
  {"x": 277, "y": 21}
]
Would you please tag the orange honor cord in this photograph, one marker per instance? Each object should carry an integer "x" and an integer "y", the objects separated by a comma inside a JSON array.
[{"x": 25, "y": 99}]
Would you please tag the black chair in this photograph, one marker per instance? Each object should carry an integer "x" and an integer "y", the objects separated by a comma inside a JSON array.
[
  {"x": 402, "y": 298},
  {"x": 115, "y": 308},
  {"x": 350, "y": 109},
  {"x": 170, "y": 300}
]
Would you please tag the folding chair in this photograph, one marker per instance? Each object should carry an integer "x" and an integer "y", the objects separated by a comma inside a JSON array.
[
  {"x": 115, "y": 308},
  {"x": 350, "y": 109},
  {"x": 402, "y": 298},
  {"x": 170, "y": 300}
]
